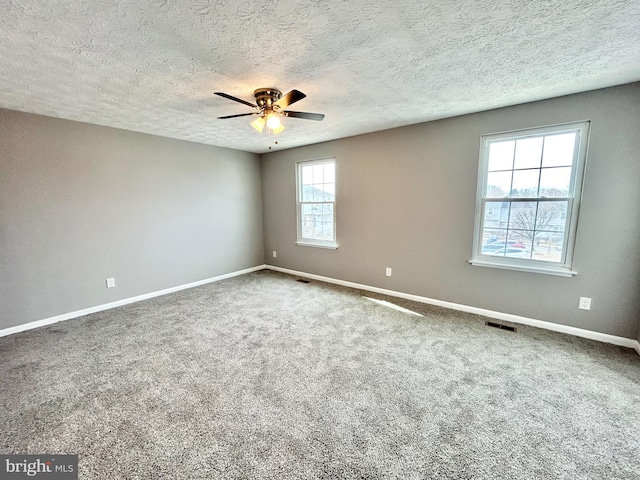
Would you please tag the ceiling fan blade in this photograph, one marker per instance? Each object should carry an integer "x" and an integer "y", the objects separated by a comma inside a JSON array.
[
  {"x": 239, "y": 115},
  {"x": 226, "y": 95},
  {"x": 305, "y": 115},
  {"x": 289, "y": 99}
]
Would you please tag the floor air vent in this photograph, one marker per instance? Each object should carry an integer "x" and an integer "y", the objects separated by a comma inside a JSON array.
[
  {"x": 501, "y": 327},
  {"x": 302, "y": 280}
]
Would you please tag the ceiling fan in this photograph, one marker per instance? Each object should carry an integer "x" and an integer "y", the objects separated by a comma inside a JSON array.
[{"x": 270, "y": 106}]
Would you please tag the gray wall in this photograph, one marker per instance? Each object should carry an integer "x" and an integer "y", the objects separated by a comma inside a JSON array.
[
  {"x": 406, "y": 199},
  {"x": 80, "y": 203}
]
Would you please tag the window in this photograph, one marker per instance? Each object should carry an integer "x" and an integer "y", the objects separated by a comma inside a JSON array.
[
  {"x": 316, "y": 182},
  {"x": 529, "y": 185}
]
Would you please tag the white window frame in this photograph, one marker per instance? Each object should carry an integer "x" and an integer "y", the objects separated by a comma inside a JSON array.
[
  {"x": 305, "y": 241},
  {"x": 565, "y": 266}
]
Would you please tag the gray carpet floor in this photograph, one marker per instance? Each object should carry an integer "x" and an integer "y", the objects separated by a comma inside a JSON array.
[{"x": 264, "y": 377}]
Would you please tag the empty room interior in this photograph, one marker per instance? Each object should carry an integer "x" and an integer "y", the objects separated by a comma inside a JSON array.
[{"x": 334, "y": 240}]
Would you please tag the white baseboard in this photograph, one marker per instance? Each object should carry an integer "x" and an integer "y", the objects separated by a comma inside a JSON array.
[
  {"x": 556, "y": 327},
  {"x": 119, "y": 303}
]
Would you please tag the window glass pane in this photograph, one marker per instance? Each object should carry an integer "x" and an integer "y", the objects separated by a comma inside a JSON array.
[
  {"x": 528, "y": 153},
  {"x": 307, "y": 175},
  {"x": 554, "y": 182},
  {"x": 525, "y": 183},
  {"x": 496, "y": 214},
  {"x": 327, "y": 209},
  {"x": 314, "y": 227},
  {"x": 323, "y": 230},
  {"x": 318, "y": 193},
  {"x": 514, "y": 252},
  {"x": 519, "y": 242},
  {"x": 520, "y": 238},
  {"x": 552, "y": 216},
  {"x": 501, "y": 155},
  {"x": 492, "y": 240},
  {"x": 523, "y": 216},
  {"x": 498, "y": 184},
  {"x": 318, "y": 173},
  {"x": 308, "y": 208},
  {"x": 308, "y": 222},
  {"x": 307, "y": 193},
  {"x": 558, "y": 150},
  {"x": 548, "y": 247},
  {"x": 329, "y": 173},
  {"x": 329, "y": 192}
]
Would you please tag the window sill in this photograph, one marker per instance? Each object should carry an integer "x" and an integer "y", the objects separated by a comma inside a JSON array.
[
  {"x": 560, "y": 272},
  {"x": 330, "y": 246}
]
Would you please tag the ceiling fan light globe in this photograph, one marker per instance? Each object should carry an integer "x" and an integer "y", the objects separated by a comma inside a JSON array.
[
  {"x": 273, "y": 122},
  {"x": 258, "y": 124},
  {"x": 278, "y": 129}
]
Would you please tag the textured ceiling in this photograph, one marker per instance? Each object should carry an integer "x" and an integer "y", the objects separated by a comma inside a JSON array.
[{"x": 152, "y": 66}]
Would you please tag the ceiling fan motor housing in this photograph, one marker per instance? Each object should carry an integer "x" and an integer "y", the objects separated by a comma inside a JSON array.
[{"x": 266, "y": 97}]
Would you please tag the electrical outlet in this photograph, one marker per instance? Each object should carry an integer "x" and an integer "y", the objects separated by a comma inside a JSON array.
[
  {"x": 274, "y": 254},
  {"x": 584, "y": 303},
  {"x": 111, "y": 282},
  {"x": 388, "y": 272}
]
